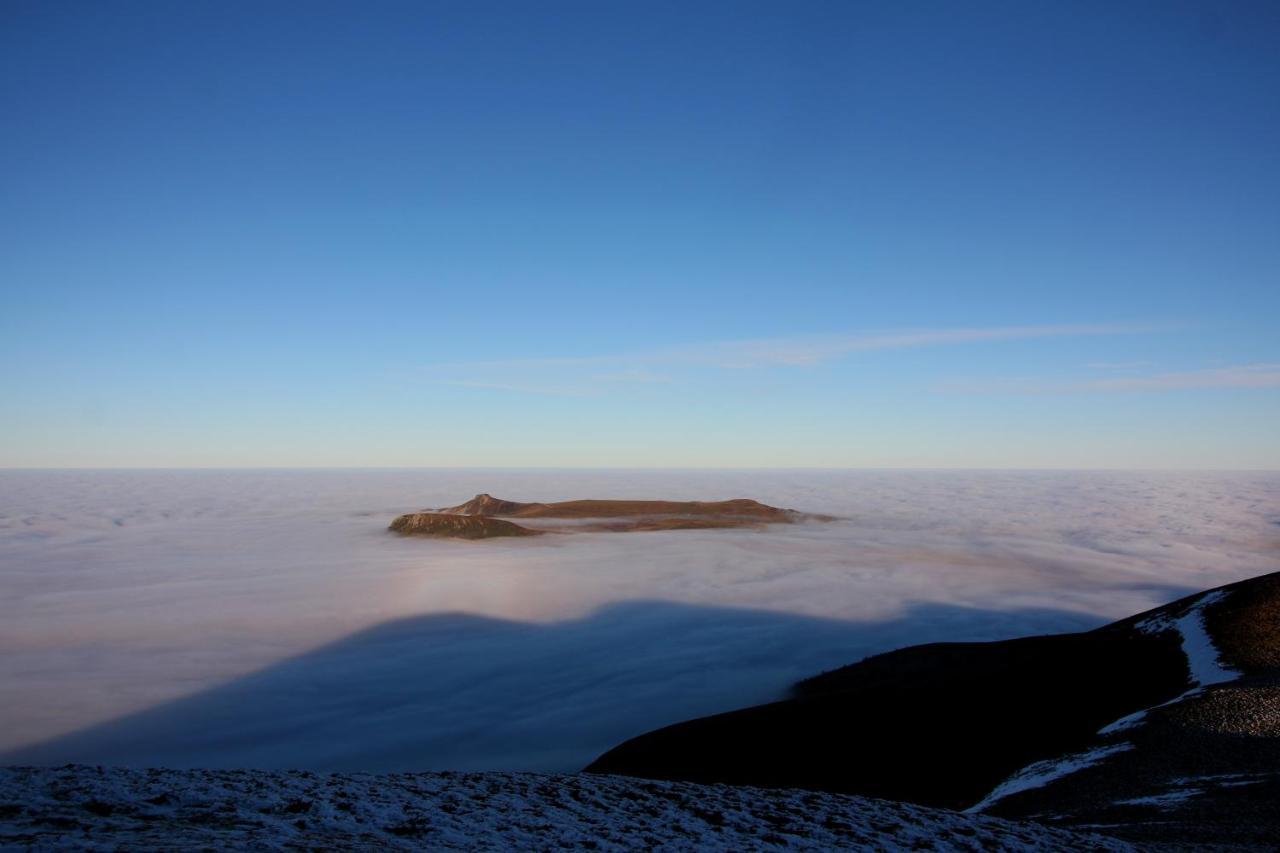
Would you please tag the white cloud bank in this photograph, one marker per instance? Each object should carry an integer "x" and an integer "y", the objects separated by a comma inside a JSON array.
[{"x": 307, "y": 636}]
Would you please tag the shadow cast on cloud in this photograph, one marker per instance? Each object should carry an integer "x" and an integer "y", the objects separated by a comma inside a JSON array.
[{"x": 464, "y": 692}]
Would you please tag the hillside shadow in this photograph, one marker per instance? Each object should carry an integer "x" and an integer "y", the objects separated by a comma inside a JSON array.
[{"x": 465, "y": 692}]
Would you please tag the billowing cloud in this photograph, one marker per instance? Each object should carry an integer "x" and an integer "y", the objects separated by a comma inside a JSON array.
[{"x": 266, "y": 618}]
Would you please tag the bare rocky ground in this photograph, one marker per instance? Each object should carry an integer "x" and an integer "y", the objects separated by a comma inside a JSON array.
[
  {"x": 1203, "y": 773},
  {"x": 91, "y": 808}
]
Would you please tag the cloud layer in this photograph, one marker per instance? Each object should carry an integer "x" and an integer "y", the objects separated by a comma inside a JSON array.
[{"x": 303, "y": 635}]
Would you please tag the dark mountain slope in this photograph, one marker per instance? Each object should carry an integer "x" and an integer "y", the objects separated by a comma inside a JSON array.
[
  {"x": 1201, "y": 770},
  {"x": 945, "y": 724}
]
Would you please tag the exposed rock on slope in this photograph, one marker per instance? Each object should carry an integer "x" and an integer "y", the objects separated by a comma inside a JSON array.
[
  {"x": 1129, "y": 709},
  {"x": 92, "y": 808},
  {"x": 457, "y": 526},
  {"x": 1246, "y": 625},
  {"x": 487, "y": 505}
]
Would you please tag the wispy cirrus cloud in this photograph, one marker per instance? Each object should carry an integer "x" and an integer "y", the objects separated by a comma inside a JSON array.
[
  {"x": 597, "y": 374},
  {"x": 1234, "y": 376},
  {"x": 1119, "y": 366},
  {"x": 816, "y": 349},
  {"x": 594, "y": 383},
  {"x": 1240, "y": 376}
]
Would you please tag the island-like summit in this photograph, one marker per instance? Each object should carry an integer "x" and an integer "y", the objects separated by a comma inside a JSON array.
[{"x": 485, "y": 517}]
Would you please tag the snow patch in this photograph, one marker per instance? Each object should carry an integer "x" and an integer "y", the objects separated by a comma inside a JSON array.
[
  {"x": 1206, "y": 669},
  {"x": 1041, "y": 773},
  {"x": 1133, "y": 719},
  {"x": 1202, "y": 655},
  {"x": 1184, "y": 788},
  {"x": 1167, "y": 800},
  {"x": 1223, "y": 780},
  {"x": 1203, "y": 660}
]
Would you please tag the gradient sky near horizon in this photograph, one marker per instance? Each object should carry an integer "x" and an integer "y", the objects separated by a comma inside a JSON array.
[{"x": 640, "y": 234}]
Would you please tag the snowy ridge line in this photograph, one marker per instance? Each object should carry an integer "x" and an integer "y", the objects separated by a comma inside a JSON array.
[
  {"x": 1181, "y": 789},
  {"x": 1206, "y": 669},
  {"x": 1041, "y": 773},
  {"x": 91, "y": 808},
  {"x": 1203, "y": 660}
]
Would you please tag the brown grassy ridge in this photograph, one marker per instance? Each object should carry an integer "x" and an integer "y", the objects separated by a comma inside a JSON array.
[
  {"x": 623, "y": 516},
  {"x": 746, "y": 508},
  {"x": 457, "y": 526}
]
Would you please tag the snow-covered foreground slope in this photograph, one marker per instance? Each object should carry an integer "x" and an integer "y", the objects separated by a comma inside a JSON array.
[{"x": 95, "y": 808}]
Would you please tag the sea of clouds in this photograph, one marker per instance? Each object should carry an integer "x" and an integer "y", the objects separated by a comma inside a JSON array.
[{"x": 268, "y": 619}]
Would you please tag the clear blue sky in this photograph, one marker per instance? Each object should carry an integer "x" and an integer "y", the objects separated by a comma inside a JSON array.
[{"x": 640, "y": 234}]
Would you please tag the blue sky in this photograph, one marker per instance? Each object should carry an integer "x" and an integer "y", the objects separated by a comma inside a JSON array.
[{"x": 640, "y": 234}]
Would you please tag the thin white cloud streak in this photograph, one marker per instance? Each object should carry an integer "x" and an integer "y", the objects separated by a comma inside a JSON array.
[
  {"x": 815, "y": 350},
  {"x": 1237, "y": 376},
  {"x": 1242, "y": 376},
  {"x": 516, "y": 388},
  {"x": 592, "y": 375},
  {"x": 1120, "y": 366},
  {"x": 593, "y": 385}
]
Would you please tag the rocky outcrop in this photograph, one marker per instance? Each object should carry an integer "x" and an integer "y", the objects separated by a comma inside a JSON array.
[
  {"x": 487, "y": 505},
  {"x": 457, "y": 526}
]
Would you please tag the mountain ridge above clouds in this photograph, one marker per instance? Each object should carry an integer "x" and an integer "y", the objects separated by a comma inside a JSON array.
[
  {"x": 487, "y": 505},
  {"x": 485, "y": 517},
  {"x": 1162, "y": 726}
]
